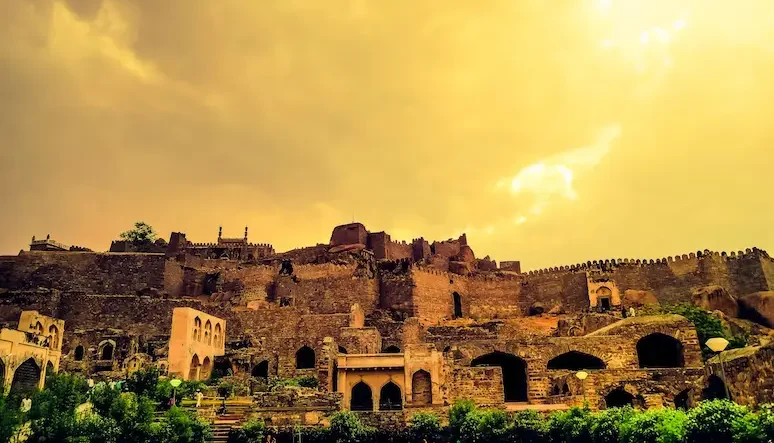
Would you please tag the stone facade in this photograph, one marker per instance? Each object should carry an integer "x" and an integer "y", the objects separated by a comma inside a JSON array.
[
  {"x": 364, "y": 314},
  {"x": 29, "y": 352}
]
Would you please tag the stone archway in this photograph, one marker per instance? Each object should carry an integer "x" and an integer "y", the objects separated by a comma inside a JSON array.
[
  {"x": 618, "y": 398},
  {"x": 421, "y": 388},
  {"x": 390, "y": 397},
  {"x": 659, "y": 350},
  {"x": 26, "y": 377},
  {"x": 361, "y": 398},
  {"x": 206, "y": 369},
  {"x": 305, "y": 358},
  {"x": 715, "y": 389},
  {"x": 79, "y": 353},
  {"x": 193, "y": 373},
  {"x": 261, "y": 370},
  {"x": 514, "y": 373},
  {"x": 457, "y": 299},
  {"x": 391, "y": 350},
  {"x": 575, "y": 361}
]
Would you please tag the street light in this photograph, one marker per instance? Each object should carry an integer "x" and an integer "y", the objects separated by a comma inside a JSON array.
[
  {"x": 175, "y": 382},
  {"x": 719, "y": 344},
  {"x": 582, "y": 376}
]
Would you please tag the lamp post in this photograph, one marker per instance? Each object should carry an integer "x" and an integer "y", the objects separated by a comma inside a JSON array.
[
  {"x": 719, "y": 344},
  {"x": 175, "y": 383},
  {"x": 582, "y": 376}
]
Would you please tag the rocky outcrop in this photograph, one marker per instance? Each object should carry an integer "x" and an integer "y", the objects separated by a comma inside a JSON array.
[
  {"x": 715, "y": 298},
  {"x": 758, "y": 307},
  {"x": 634, "y": 299}
]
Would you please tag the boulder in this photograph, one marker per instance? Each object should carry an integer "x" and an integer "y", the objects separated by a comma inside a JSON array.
[
  {"x": 636, "y": 298},
  {"x": 715, "y": 298},
  {"x": 758, "y": 307}
]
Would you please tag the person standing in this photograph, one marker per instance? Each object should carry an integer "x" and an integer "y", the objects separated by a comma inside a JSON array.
[{"x": 199, "y": 397}]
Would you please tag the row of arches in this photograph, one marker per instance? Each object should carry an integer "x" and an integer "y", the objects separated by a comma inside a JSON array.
[
  {"x": 26, "y": 377},
  {"x": 199, "y": 370},
  {"x": 390, "y": 397},
  {"x": 210, "y": 338},
  {"x": 53, "y": 334}
]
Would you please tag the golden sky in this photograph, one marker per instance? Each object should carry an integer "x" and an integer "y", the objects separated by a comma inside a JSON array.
[{"x": 551, "y": 131}]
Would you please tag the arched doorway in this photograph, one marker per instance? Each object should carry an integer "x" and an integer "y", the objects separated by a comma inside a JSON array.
[
  {"x": 604, "y": 298},
  {"x": 457, "y": 305},
  {"x": 618, "y": 398},
  {"x": 576, "y": 361},
  {"x": 26, "y": 377},
  {"x": 361, "y": 399},
  {"x": 390, "y": 397},
  {"x": 391, "y": 350},
  {"x": 659, "y": 350},
  {"x": 514, "y": 373},
  {"x": 193, "y": 373},
  {"x": 106, "y": 351},
  {"x": 54, "y": 333},
  {"x": 204, "y": 372},
  {"x": 421, "y": 388},
  {"x": 715, "y": 390},
  {"x": 305, "y": 358},
  {"x": 50, "y": 369},
  {"x": 208, "y": 333},
  {"x": 261, "y": 370},
  {"x": 78, "y": 353},
  {"x": 218, "y": 335}
]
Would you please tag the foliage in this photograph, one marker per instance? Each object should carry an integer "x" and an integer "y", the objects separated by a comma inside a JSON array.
[
  {"x": 53, "y": 408},
  {"x": 141, "y": 237},
  {"x": 654, "y": 426},
  {"x": 719, "y": 421},
  {"x": 10, "y": 419},
  {"x": 346, "y": 427},
  {"x": 143, "y": 382},
  {"x": 179, "y": 426},
  {"x": 484, "y": 426},
  {"x": 766, "y": 422},
  {"x": 306, "y": 381},
  {"x": 234, "y": 385},
  {"x": 528, "y": 426},
  {"x": 607, "y": 423},
  {"x": 253, "y": 431},
  {"x": 425, "y": 426},
  {"x": 187, "y": 389},
  {"x": 572, "y": 426},
  {"x": 458, "y": 412}
]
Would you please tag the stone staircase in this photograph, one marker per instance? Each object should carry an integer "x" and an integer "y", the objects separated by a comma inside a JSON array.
[{"x": 220, "y": 425}]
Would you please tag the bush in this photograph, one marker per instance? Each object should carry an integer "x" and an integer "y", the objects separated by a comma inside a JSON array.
[
  {"x": 655, "y": 426},
  {"x": 253, "y": 431},
  {"x": 10, "y": 419},
  {"x": 458, "y": 412},
  {"x": 607, "y": 423},
  {"x": 143, "y": 382},
  {"x": 573, "y": 426},
  {"x": 528, "y": 426},
  {"x": 346, "y": 428},
  {"x": 306, "y": 381},
  {"x": 181, "y": 427},
  {"x": 53, "y": 409},
  {"x": 766, "y": 422},
  {"x": 425, "y": 426},
  {"x": 719, "y": 421},
  {"x": 484, "y": 426}
]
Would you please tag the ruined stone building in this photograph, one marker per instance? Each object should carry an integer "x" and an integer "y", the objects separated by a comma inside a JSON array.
[{"x": 399, "y": 326}]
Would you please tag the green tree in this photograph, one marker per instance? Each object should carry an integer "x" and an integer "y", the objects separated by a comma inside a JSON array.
[
  {"x": 766, "y": 422},
  {"x": 572, "y": 426},
  {"x": 458, "y": 412},
  {"x": 53, "y": 409},
  {"x": 179, "y": 426},
  {"x": 528, "y": 426},
  {"x": 254, "y": 431},
  {"x": 143, "y": 382},
  {"x": 607, "y": 423},
  {"x": 142, "y": 234},
  {"x": 10, "y": 419},
  {"x": 346, "y": 427},
  {"x": 425, "y": 426},
  {"x": 484, "y": 426}
]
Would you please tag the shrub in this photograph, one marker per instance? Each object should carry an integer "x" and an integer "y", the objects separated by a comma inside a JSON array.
[
  {"x": 719, "y": 421},
  {"x": 306, "y": 381},
  {"x": 573, "y": 426},
  {"x": 53, "y": 409},
  {"x": 766, "y": 422},
  {"x": 253, "y": 431},
  {"x": 481, "y": 426},
  {"x": 425, "y": 426},
  {"x": 528, "y": 426},
  {"x": 655, "y": 426},
  {"x": 607, "y": 423},
  {"x": 181, "y": 427},
  {"x": 458, "y": 412},
  {"x": 346, "y": 427},
  {"x": 707, "y": 326},
  {"x": 10, "y": 419},
  {"x": 143, "y": 382}
]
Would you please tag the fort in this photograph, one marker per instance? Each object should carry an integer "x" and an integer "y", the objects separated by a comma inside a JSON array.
[{"x": 387, "y": 327}]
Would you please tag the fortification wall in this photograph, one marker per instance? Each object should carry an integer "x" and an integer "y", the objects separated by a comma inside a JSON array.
[
  {"x": 399, "y": 250},
  {"x": 432, "y": 294},
  {"x": 494, "y": 296},
  {"x": 483, "y": 385},
  {"x": 396, "y": 289},
  {"x": 336, "y": 294},
  {"x": 767, "y": 266},
  {"x": 563, "y": 287}
]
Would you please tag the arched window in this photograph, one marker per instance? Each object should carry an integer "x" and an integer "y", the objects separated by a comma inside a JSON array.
[
  {"x": 197, "y": 329},
  {"x": 391, "y": 350},
  {"x": 565, "y": 388},
  {"x": 421, "y": 388},
  {"x": 362, "y": 399},
  {"x": 514, "y": 373},
  {"x": 342, "y": 350},
  {"x": 78, "y": 353},
  {"x": 390, "y": 398},
  {"x": 39, "y": 328},
  {"x": 457, "y": 305},
  {"x": 106, "y": 349},
  {"x": 218, "y": 334},
  {"x": 305, "y": 358},
  {"x": 208, "y": 333},
  {"x": 26, "y": 377},
  {"x": 261, "y": 370},
  {"x": 555, "y": 390},
  {"x": 716, "y": 389},
  {"x": 618, "y": 398},
  {"x": 575, "y": 361},
  {"x": 54, "y": 333},
  {"x": 658, "y": 350},
  {"x": 193, "y": 373}
]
